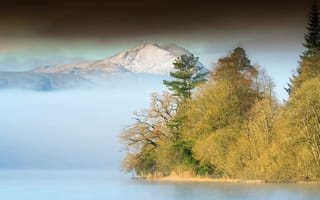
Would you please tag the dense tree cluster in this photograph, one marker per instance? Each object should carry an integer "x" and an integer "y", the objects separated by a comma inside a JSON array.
[{"x": 227, "y": 123}]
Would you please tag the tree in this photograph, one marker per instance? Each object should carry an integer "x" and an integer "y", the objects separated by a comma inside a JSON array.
[
  {"x": 236, "y": 60},
  {"x": 221, "y": 106},
  {"x": 312, "y": 38},
  {"x": 304, "y": 115},
  {"x": 236, "y": 68},
  {"x": 149, "y": 131},
  {"x": 309, "y": 65},
  {"x": 150, "y": 124},
  {"x": 309, "y": 68},
  {"x": 188, "y": 73}
]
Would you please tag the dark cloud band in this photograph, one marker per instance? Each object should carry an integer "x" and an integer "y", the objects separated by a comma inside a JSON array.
[{"x": 129, "y": 18}]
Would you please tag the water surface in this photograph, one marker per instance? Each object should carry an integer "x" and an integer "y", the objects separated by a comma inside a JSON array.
[{"x": 103, "y": 185}]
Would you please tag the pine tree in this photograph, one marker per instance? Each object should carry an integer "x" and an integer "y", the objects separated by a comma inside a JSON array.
[
  {"x": 312, "y": 38},
  {"x": 308, "y": 66},
  {"x": 186, "y": 76}
]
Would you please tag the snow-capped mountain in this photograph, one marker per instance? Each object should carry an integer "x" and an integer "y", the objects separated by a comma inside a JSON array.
[{"x": 145, "y": 58}]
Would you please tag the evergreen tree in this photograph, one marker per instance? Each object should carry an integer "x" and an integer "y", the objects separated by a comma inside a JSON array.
[
  {"x": 308, "y": 67},
  {"x": 312, "y": 38},
  {"x": 186, "y": 76}
]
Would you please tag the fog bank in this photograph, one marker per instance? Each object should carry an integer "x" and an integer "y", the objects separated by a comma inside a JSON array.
[{"x": 70, "y": 129}]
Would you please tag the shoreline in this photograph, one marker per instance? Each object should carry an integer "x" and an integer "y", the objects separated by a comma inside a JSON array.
[
  {"x": 203, "y": 180},
  {"x": 174, "y": 178}
]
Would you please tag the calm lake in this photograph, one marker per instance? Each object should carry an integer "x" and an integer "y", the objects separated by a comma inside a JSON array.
[{"x": 101, "y": 185}]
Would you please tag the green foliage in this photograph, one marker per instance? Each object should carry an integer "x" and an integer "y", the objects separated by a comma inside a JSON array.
[
  {"x": 204, "y": 169},
  {"x": 145, "y": 162},
  {"x": 309, "y": 66},
  {"x": 188, "y": 73},
  {"x": 312, "y": 38}
]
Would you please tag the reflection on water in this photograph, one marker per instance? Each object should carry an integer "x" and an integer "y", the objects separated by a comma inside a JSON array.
[{"x": 102, "y": 185}]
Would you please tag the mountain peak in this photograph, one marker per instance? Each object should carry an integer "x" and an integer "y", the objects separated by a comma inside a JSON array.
[
  {"x": 145, "y": 58},
  {"x": 149, "y": 58}
]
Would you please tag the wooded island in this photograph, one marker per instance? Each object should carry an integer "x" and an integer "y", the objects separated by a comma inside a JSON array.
[{"x": 226, "y": 122}]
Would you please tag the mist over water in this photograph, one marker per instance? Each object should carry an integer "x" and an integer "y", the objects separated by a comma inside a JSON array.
[
  {"x": 70, "y": 129},
  {"x": 64, "y": 145}
]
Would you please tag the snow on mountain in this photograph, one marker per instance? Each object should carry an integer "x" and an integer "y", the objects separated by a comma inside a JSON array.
[
  {"x": 145, "y": 58},
  {"x": 149, "y": 58}
]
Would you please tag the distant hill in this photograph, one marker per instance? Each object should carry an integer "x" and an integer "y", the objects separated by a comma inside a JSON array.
[{"x": 41, "y": 81}]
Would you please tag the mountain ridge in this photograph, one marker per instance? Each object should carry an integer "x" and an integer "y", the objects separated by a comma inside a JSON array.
[{"x": 147, "y": 58}]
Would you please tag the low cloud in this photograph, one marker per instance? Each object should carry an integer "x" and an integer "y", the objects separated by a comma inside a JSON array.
[{"x": 72, "y": 129}]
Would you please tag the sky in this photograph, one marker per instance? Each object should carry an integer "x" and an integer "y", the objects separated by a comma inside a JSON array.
[
  {"x": 36, "y": 33},
  {"x": 69, "y": 129}
]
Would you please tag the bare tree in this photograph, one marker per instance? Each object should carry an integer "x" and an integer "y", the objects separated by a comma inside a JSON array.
[{"x": 150, "y": 127}]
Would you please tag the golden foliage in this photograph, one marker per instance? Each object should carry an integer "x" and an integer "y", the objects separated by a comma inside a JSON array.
[{"x": 233, "y": 127}]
